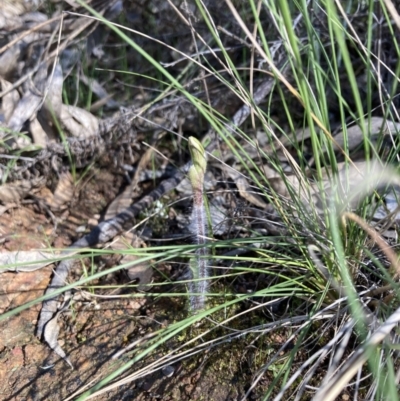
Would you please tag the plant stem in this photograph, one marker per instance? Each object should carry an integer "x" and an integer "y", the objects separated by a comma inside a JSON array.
[
  {"x": 199, "y": 227},
  {"x": 199, "y": 264}
]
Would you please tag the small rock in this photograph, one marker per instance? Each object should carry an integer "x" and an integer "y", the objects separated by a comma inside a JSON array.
[
  {"x": 168, "y": 371},
  {"x": 81, "y": 229},
  {"x": 93, "y": 222}
]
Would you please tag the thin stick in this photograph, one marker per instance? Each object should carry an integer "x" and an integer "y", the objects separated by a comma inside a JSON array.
[{"x": 386, "y": 249}]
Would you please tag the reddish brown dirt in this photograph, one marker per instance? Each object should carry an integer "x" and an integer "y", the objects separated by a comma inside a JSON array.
[{"x": 94, "y": 329}]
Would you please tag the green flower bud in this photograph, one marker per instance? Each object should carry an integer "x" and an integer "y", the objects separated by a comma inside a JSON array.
[{"x": 199, "y": 159}]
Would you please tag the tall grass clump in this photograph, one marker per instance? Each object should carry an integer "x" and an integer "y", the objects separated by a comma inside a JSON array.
[{"x": 319, "y": 271}]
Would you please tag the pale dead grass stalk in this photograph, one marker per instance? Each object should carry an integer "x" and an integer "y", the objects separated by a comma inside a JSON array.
[{"x": 386, "y": 249}]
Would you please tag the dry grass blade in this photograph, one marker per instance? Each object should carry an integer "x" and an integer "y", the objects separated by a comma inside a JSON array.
[
  {"x": 300, "y": 322},
  {"x": 281, "y": 77},
  {"x": 341, "y": 337},
  {"x": 393, "y": 12},
  {"x": 330, "y": 390},
  {"x": 386, "y": 249}
]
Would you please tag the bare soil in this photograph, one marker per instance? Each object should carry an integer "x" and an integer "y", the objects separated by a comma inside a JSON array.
[{"x": 96, "y": 328}]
